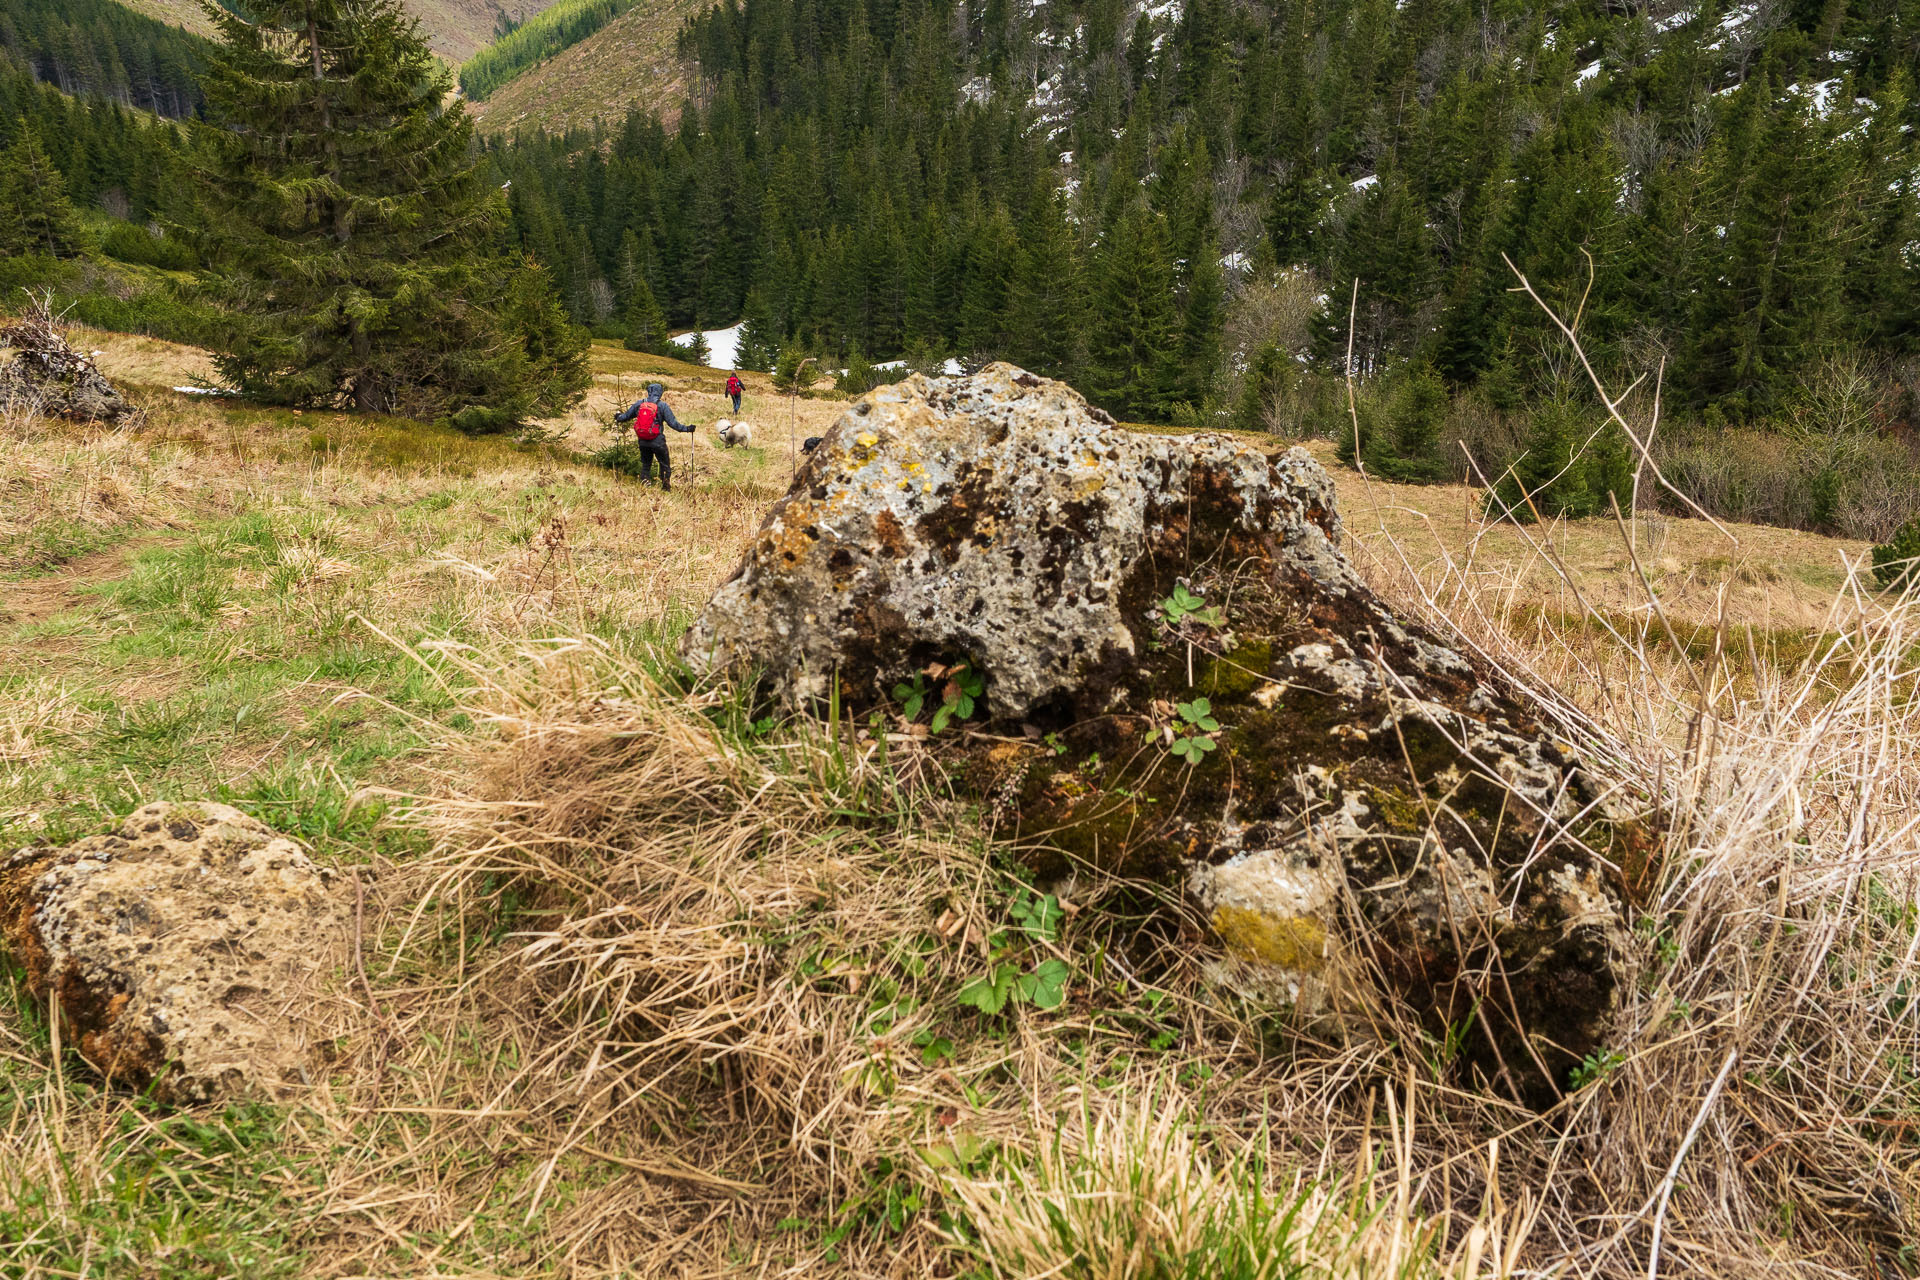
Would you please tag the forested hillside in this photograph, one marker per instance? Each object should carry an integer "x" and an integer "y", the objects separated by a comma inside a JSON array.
[
  {"x": 1177, "y": 207},
  {"x": 99, "y": 47},
  {"x": 109, "y": 158},
  {"x": 1117, "y": 194}
]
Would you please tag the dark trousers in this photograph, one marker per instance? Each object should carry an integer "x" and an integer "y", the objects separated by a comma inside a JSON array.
[
  {"x": 651, "y": 449},
  {"x": 736, "y": 404}
]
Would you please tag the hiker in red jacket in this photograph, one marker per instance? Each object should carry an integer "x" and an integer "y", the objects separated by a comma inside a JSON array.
[
  {"x": 735, "y": 388},
  {"x": 648, "y": 416}
]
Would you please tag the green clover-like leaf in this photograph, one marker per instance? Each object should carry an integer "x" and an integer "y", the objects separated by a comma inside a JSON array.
[
  {"x": 1039, "y": 917},
  {"x": 1046, "y": 986},
  {"x": 989, "y": 993}
]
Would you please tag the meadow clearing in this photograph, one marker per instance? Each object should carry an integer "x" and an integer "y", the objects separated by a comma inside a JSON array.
[{"x": 646, "y": 983}]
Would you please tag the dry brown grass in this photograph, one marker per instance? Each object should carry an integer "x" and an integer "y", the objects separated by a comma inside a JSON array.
[{"x": 1765, "y": 1052}]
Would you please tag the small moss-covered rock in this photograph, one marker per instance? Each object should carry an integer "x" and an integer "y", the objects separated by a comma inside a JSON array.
[{"x": 1359, "y": 812}]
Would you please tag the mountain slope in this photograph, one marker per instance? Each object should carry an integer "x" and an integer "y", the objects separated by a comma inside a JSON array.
[
  {"x": 456, "y": 29},
  {"x": 629, "y": 62},
  {"x": 177, "y": 13}
]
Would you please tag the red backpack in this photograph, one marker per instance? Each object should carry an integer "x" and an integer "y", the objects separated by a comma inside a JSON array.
[
  {"x": 646, "y": 422},
  {"x": 734, "y": 386}
]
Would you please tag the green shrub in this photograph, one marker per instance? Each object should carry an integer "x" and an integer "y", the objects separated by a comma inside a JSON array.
[
  {"x": 1270, "y": 376},
  {"x": 1569, "y": 466},
  {"x": 1896, "y": 563},
  {"x": 157, "y": 313},
  {"x": 622, "y": 459},
  {"x": 860, "y": 376},
  {"x": 130, "y": 243},
  {"x": 786, "y": 373},
  {"x": 1404, "y": 440}
]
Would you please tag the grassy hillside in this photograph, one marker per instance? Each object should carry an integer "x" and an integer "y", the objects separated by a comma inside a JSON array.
[
  {"x": 179, "y": 13},
  {"x": 457, "y": 29},
  {"x": 651, "y": 987},
  {"x": 630, "y": 62}
]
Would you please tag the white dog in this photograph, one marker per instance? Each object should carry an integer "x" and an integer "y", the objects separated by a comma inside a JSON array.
[{"x": 733, "y": 434}]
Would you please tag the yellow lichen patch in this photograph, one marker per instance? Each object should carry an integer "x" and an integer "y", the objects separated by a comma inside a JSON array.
[{"x": 1289, "y": 942}]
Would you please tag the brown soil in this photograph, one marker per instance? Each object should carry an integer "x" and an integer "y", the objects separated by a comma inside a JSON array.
[{"x": 36, "y": 600}]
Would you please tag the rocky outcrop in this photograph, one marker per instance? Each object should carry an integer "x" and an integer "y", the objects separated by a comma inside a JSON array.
[
  {"x": 40, "y": 373},
  {"x": 1193, "y": 684},
  {"x": 183, "y": 950}
]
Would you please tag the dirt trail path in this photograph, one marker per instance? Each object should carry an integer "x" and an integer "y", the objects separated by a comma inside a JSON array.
[{"x": 35, "y": 600}]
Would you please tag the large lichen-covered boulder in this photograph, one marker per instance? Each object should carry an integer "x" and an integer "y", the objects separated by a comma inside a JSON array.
[
  {"x": 1194, "y": 685},
  {"x": 185, "y": 950}
]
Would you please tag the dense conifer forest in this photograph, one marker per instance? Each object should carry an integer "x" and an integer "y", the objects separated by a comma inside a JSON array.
[
  {"x": 99, "y": 48},
  {"x": 1129, "y": 197},
  {"x": 110, "y": 157}
]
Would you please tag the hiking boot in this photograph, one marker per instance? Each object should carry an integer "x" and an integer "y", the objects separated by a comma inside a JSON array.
[{"x": 666, "y": 486}]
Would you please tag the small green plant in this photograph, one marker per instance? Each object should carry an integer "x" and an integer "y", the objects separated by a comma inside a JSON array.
[
  {"x": 1193, "y": 731},
  {"x": 1037, "y": 915},
  {"x": 1035, "y": 919},
  {"x": 1184, "y": 604},
  {"x": 960, "y": 687},
  {"x": 1594, "y": 1067},
  {"x": 911, "y": 695},
  {"x": 934, "y": 1048},
  {"x": 1044, "y": 988}
]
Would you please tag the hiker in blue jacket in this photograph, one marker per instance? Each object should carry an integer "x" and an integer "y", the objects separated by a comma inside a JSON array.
[{"x": 647, "y": 417}]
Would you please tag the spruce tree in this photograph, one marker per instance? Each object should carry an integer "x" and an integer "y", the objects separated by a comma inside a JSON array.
[
  {"x": 1405, "y": 443},
  {"x": 1269, "y": 376},
  {"x": 1295, "y": 212},
  {"x": 760, "y": 335},
  {"x": 646, "y": 323},
  {"x": 353, "y": 232},
  {"x": 1133, "y": 339},
  {"x": 1201, "y": 318},
  {"x": 35, "y": 214},
  {"x": 1044, "y": 296},
  {"x": 1573, "y": 464}
]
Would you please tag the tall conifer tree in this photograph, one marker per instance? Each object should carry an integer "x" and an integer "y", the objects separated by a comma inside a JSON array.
[
  {"x": 1133, "y": 340},
  {"x": 353, "y": 232},
  {"x": 35, "y": 214}
]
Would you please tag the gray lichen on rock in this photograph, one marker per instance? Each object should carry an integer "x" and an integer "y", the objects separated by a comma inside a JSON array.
[
  {"x": 1382, "y": 815},
  {"x": 185, "y": 949}
]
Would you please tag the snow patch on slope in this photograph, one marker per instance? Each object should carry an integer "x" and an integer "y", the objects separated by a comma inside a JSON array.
[{"x": 723, "y": 346}]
